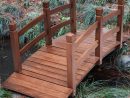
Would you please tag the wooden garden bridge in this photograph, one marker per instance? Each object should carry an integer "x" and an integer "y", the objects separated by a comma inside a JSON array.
[{"x": 56, "y": 69}]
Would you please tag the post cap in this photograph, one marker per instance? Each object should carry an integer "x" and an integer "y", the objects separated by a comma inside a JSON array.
[
  {"x": 46, "y": 4},
  {"x": 70, "y": 37},
  {"x": 12, "y": 26},
  {"x": 121, "y": 2},
  {"x": 99, "y": 11}
]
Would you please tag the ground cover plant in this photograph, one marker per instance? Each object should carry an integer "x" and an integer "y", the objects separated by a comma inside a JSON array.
[{"x": 5, "y": 94}]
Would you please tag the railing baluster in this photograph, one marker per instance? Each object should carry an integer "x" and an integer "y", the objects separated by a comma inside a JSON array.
[
  {"x": 47, "y": 23},
  {"x": 15, "y": 47},
  {"x": 73, "y": 16},
  {"x": 120, "y": 21},
  {"x": 71, "y": 68},
  {"x": 99, "y": 18}
]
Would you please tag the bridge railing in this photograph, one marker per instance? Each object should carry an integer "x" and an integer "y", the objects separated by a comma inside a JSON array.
[
  {"x": 50, "y": 30},
  {"x": 14, "y": 36},
  {"x": 47, "y": 34},
  {"x": 118, "y": 29},
  {"x": 72, "y": 44}
]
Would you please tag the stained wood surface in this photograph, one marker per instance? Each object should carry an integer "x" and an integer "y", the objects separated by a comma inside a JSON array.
[
  {"x": 36, "y": 88},
  {"x": 47, "y": 68}
]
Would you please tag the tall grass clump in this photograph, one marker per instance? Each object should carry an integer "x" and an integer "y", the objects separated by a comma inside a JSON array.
[{"x": 102, "y": 89}]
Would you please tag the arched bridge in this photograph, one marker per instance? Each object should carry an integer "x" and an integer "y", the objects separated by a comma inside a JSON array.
[{"x": 55, "y": 70}]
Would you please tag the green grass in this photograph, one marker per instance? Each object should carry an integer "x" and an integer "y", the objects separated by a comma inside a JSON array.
[
  {"x": 102, "y": 89},
  {"x": 5, "y": 94}
]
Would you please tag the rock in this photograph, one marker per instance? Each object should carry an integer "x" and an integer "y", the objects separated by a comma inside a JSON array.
[{"x": 123, "y": 62}]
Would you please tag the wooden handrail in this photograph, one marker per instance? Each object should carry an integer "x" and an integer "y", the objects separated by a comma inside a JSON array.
[
  {"x": 60, "y": 25},
  {"x": 111, "y": 15},
  {"x": 60, "y": 8},
  {"x": 30, "y": 25},
  {"x": 110, "y": 32},
  {"x": 33, "y": 42},
  {"x": 89, "y": 31}
]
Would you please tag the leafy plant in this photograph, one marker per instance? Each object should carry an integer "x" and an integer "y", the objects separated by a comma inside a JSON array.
[{"x": 5, "y": 94}]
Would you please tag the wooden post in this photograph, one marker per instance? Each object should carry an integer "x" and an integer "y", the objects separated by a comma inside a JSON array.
[
  {"x": 71, "y": 68},
  {"x": 47, "y": 26},
  {"x": 120, "y": 21},
  {"x": 73, "y": 16},
  {"x": 15, "y": 47},
  {"x": 98, "y": 35}
]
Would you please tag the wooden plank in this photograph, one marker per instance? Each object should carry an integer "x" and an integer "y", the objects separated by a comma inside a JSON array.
[
  {"x": 30, "y": 25},
  {"x": 45, "y": 78},
  {"x": 57, "y": 51},
  {"x": 47, "y": 63},
  {"x": 55, "y": 65},
  {"x": 86, "y": 34},
  {"x": 86, "y": 54},
  {"x": 48, "y": 73},
  {"x": 79, "y": 50},
  {"x": 52, "y": 69},
  {"x": 43, "y": 83},
  {"x": 88, "y": 69},
  {"x": 32, "y": 43},
  {"x": 111, "y": 47},
  {"x": 50, "y": 57},
  {"x": 111, "y": 32},
  {"x": 60, "y": 8},
  {"x": 45, "y": 73},
  {"x": 54, "y": 93},
  {"x": 111, "y": 15},
  {"x": 24, "y": 90},
  {"x": 60, "y": 25}
]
